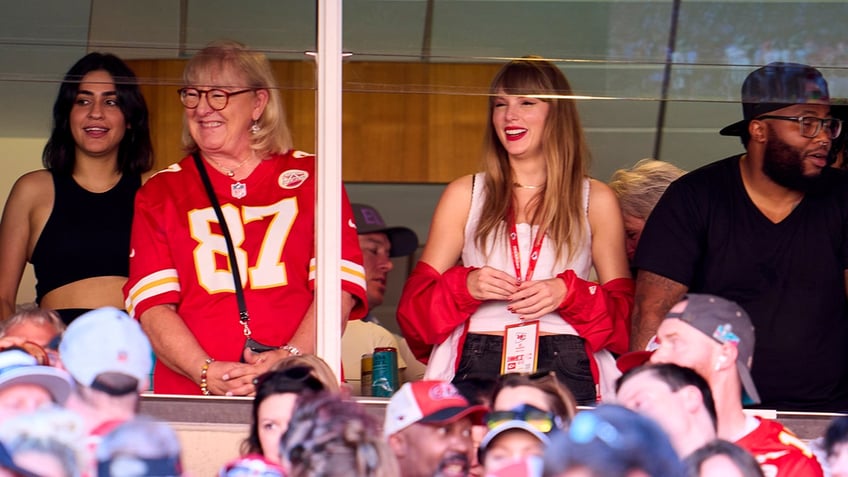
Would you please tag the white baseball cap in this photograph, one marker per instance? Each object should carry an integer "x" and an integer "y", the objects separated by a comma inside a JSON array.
[{"x": 106, "y": 340}]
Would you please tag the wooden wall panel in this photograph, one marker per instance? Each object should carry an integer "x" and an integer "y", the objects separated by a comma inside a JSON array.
[
  {"x": 160, "y": 80},
  {"x": 402, "y": 122},
  {"x": 458, "y": 120},
  {"x": 385, "y": 134},
  {"x": 297, "y": 81}
]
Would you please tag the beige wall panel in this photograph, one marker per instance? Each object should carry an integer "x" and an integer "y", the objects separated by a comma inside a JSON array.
[{"x": 21, "y": 155}]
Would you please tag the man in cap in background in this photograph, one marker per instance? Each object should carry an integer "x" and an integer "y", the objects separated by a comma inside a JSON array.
[
  {"x": 765, "y": 229},
  {"x": 428, "y": 427},
  {"x": 379, "y": 244},
  {"x": 26, "y": 386},
  {"x": 109, "y": 357},
  {"x": 714, "y": 337}
]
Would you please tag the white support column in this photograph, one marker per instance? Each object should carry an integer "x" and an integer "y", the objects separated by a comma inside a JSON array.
[{"x": 329, "y": 172}]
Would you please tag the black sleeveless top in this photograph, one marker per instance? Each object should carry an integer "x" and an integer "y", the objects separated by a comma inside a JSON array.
[{"x": 87, "y": 234}]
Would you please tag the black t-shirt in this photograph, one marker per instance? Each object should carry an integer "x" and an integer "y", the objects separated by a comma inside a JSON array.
[{"x": 707, "y": 234}]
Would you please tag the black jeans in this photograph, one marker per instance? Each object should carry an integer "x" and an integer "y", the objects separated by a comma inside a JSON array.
[{"x": 563, "y": 354}]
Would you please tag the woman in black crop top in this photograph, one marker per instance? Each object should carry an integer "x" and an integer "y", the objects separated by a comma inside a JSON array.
[{"x": 72, "y": 220}]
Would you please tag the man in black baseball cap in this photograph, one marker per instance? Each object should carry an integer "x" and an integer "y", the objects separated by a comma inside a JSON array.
[
  {"x": 379, "y": 243},
  {"x": 777, "y": 86},
  {"x": 765, "y": 229}
]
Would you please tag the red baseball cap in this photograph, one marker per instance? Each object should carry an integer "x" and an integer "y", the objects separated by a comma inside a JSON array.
[
  {"x": 433, "y": 402},
  {"x": 633, "y": 359}
]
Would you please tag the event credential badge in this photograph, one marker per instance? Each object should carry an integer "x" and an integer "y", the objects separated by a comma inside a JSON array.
[{"x": 520, "y": 348}]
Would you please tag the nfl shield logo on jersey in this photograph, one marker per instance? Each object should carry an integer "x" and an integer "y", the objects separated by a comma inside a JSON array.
[{"x": 238, "y": 190}]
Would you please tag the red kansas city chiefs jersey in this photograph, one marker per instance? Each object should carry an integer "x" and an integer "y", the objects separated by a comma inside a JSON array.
[
  {"x": 179, "y": 255},
  {"x": 779, "y": 452}
]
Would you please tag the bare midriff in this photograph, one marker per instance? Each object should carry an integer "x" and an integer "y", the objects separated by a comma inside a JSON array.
[{"x": 92, "y": 293}]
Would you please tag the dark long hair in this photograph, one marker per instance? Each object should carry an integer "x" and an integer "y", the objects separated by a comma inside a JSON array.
[
  {"x": 135, "y": 153},
  {"x": 298, "y": 380}
]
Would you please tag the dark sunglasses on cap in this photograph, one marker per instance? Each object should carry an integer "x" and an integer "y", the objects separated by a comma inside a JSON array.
[{"x": 542, "y": 421}]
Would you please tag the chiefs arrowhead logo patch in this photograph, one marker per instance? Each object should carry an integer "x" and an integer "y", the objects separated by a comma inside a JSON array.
[{"x": 292, "y": 178}]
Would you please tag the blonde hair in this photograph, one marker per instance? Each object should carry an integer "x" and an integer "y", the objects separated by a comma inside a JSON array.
[
  {"x": 320, "y": 370},
  {"x": 641, "y": 186},
  {"x": 254, "y": 71},
  {"x": 31, "y": 313},
  {"x": 558, "y": 210}
]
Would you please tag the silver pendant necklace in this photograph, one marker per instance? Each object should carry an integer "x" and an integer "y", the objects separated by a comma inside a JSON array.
[
  {"x": 231, "y": 172},
  {"x": 238, "y": 189}
]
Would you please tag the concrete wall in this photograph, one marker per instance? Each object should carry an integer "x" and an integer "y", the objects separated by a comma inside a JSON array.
[{"x": 207, "y": 447}]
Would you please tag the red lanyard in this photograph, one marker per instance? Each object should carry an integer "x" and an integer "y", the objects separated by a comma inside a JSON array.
[{"x": 516, "y": 253}]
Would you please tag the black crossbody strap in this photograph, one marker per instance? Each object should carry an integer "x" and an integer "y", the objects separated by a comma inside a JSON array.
[{"x": 244, "y": 316}]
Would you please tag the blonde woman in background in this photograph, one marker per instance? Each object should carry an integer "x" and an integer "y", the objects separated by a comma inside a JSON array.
[{"x": 638, "y": 189}]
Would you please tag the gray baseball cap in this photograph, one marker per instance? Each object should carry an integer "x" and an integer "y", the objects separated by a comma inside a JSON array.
[{"x": 726, "y": 322}]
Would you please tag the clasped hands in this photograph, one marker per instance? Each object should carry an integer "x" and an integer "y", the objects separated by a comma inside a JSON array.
[
  {"x": 527, "y": 299},
  {"x": 229, "y": 378}
]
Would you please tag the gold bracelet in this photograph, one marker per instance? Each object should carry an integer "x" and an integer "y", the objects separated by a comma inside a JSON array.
[{"x": 204, "y": 389}]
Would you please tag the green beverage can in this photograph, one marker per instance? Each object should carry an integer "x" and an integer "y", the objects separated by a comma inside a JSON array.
[
  {"x": 366, "y": 373},
  {"x": 384, "y": 377}
]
